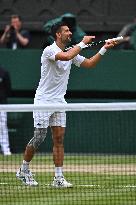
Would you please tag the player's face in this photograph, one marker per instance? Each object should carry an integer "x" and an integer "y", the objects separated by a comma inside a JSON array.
[{"x": 65, "y": 35}]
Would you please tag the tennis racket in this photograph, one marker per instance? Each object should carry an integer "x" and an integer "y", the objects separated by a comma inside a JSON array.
[{"x": 97, "y": 43}]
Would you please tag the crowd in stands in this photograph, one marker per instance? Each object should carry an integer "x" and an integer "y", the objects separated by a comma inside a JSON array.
[{"x": 15, "y": 36}]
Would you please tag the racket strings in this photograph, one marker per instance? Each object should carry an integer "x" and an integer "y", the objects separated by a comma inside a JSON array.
[
  {"x": 95, "y": 43},
  {"x": 87, "y": 45}
]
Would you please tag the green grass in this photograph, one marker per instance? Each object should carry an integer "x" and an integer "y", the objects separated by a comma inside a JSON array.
[
  {"x": 89, "y": 188},
  {"x": 73, "y": 159}
]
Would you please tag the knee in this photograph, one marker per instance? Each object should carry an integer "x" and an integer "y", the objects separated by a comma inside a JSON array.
[
  {"x": 39, "y": 136},
  {"x": 58, "y": 139}
]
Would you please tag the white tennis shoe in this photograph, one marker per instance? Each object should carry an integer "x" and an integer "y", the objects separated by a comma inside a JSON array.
[
  {"x": 60, "y": 182},
  {"x": 26, "y": 177}
]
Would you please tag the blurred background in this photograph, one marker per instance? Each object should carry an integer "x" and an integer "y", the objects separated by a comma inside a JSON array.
[{"x": 102, "y": 18}]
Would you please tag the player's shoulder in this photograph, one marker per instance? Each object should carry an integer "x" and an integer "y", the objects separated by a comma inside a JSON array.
[
  {"x": 49, "y": 51},
  {"x": 52, "y": 46},
  {"x": 49, "y": 48}
]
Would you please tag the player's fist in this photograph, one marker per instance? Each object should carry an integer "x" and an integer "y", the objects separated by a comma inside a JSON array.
[
  {"x": 88, "y": 39},
  {"x": 110, "y": 44}
]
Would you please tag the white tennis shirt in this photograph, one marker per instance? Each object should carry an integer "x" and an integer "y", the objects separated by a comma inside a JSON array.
[{"x": 54, "y": 76}]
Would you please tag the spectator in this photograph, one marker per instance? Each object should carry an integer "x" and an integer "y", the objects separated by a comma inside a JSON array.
[
  {"x": 70, "y": 20},
  {"x": 14, "y": 36},
  {"x": 5, "y": 88},
  {"x": 127, "y": 32}
]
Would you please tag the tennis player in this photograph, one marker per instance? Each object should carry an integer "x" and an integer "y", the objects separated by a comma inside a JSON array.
[{"x": 55, "y": 70}]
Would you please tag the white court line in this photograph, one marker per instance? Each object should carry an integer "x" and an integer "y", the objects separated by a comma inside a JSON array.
[
  {"x": 80, "y": 185},
  {"x": 129, "y": 186},
  {"x": 88, "y": 185},
  {"x": 83, "y": 185},
  {"x": 96, "y": 185}
]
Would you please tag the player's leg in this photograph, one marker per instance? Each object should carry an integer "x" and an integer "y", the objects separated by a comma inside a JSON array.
[
  {"x": 24, "y": 173},
  {"x": 4, "y": 137},
  {"x": 58, "y": 147},
  {"x": 41, "y": 121},
  {"x": 34, "y": 143},
  {"x": 58, "y": 123}
]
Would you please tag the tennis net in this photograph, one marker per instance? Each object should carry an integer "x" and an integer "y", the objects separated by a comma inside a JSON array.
[{"x": 100, "y": 156}]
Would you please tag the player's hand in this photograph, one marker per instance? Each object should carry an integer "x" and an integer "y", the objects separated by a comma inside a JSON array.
[
  {"x": 88, "y": 39},
  {"x": 110, "y": 44}
]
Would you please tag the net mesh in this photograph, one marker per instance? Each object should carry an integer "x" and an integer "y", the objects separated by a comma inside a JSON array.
[{"x": 100, "y": 156}]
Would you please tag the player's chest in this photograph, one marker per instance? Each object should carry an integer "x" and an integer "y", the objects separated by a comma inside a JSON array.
[{"x": 63, "y": 65}]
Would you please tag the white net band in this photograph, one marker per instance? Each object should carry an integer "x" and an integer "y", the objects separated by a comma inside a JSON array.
[{"x": 69, "y": 107}]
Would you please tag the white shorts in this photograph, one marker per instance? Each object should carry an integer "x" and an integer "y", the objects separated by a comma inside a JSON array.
[{"x": 45, "y": 119}]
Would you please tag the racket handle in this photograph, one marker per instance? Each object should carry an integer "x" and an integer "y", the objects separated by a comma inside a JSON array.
[{"x": 115, "y": 39}]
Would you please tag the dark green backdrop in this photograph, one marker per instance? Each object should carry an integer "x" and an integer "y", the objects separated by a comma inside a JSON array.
[{"x": 116, "y": 71}]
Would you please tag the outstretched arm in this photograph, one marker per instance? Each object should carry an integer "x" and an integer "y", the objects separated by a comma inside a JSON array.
[
  {"x": 92, "y": 61},
  {"x": 70, "y": 54}
]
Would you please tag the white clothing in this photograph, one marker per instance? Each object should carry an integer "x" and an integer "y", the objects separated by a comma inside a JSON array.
[
  {"x": 52, "y": 86},
  {"x": 54, "y": 75},
  {"x": 45, "y": 119}
]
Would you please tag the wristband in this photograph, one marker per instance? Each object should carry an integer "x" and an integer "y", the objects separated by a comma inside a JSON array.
[
  {"x": 102, "y": 51},
  {"x": 81, "y": 45}
]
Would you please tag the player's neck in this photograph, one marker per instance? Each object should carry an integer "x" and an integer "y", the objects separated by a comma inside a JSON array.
[{"x": 60, "y": 45}]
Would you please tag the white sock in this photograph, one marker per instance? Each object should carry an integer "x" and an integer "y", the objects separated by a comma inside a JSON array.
[
  {"x": 25, "y": 166},
  {"x": 58, "y": 172}
]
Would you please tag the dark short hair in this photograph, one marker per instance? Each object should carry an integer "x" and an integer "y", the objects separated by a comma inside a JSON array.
[
  {"x": 57, "y": 27},
  {"x": 13, "y": 16}
]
